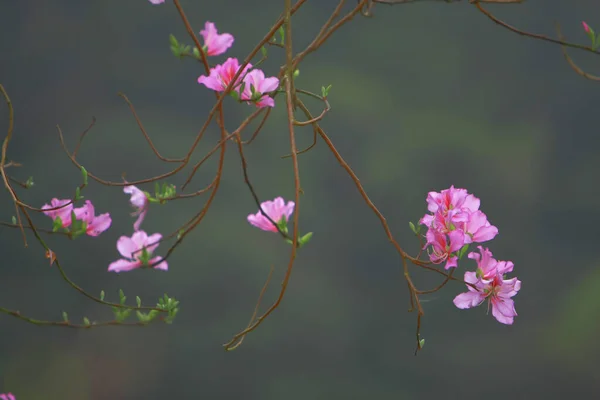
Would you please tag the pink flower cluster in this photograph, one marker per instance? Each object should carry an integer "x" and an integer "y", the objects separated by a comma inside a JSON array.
[
  {"x": 251, "y": 86},
  {"x": 137, "y": 250},
  {"x": 455, "y": 222},
  {"x": 7, "y": 396},
  {"x": 63, "y": 209}
]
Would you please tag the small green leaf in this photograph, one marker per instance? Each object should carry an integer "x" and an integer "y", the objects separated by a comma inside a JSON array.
[
  {"x": 296, "y": 73},
  {"x": 281, "y": 34},
  {"x": 196, "y": 53},
  {"x": 421, "y": 343},
  {"x": 263, "y": 50},
  {"x": 84, "y": 174},
  {"x": 122, "y": 297},
  {"x": 412, "y": 227},
  {"x": 463, "y": 251},
  {"x": 78, "y": 194},
  {"x": 173, "y": 40},
  {"x": 304, "y": 239},
  {"x": 102, "y": 295},
  {"x": 65, "y": 316},
  {"x": 325, "y": 91},
  {"x": 86, "y": 321},
  {"x": 138, "y": 301},
  {"x": 29, "y": 183},
  {"x": 141, "y": 316},
  {"x": 14, "y": 220}
]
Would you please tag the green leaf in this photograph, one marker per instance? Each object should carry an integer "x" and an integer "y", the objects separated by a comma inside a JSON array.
[
  {"x": 412, "y": 227},
  {"x": 421, "y": 343},
  {"x": 463, "y": 251},
  {"x": 138, "y": 301},
  {"x": 102, "y": 295},
  {"x": 84, "y": 174},
  {"x": 122, "y": 297},
  {"x": 29, "y": 183},
  {"x": 305, "y": 239},
  {"x": 14, "y": 220},
  {"x": 78, "y": 194},
  {"x": 56, "y": 224},
  {"x": 86, "y": 321},
  {"x": 281, "y": 34},
  {"x": 65, "y": 316},
  {"x": 173, "y": 41},
  {"x": 263, "y": 50},
  {"x": 196, "y": 53},
  {"x": 325, "y": 91}
]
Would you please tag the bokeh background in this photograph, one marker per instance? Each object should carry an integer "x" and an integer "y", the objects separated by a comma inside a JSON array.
[{"x": 424, "y": 96}]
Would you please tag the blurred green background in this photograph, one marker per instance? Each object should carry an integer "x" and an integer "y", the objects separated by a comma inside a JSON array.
[{"x": 424, "y": 96}]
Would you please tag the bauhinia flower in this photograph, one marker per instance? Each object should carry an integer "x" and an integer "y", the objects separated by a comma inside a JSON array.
[
  {"x": 95, "y": 224},
  {"x": 64, "y": 212},
  {"x": 221, "y": 75},
  {"x": 137, "y": 252},
  {"x": 140, "y": 201},
  {"x": 489, "y": 283},
  {"x": 454, "y": 212},
  {"x": 277, "y": 210},
  {"x": 7, "y": 396},
  {"x": 257, "y": 87},
  {"x": 478, "y": 229},
  {"x": 443, "y": 247},
  {"x": 215, "y": 44}
]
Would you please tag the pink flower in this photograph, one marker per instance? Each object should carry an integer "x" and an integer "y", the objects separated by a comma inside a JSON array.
[
  {"x": 221, "y": 75},
  {"x": 277, "y": 210},
  {"x": 255, "y": 80},
  {"x": 137, "y": 252},
  {"x": 490, "y": 284},
  {"x": 156, "y": 1},
  {"x": 452, "y": 198},
  {"x": 443, "y": 247},
  {"x": 214, "y": 43},
  {"x": 64, "y": 213},
  {"x": 95, "y": 224},
  {"x": 586, "y": 27},
  {"x": 140, "y": 201},
  {"x": 487, "y": 266},
  {"x": 7, "y": 396},
  {"x": 478, "y": 229}
]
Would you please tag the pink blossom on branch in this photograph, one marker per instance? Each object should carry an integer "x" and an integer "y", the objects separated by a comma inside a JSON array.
[
  {"x": 215, "y": 44},
  {"x": 443, "y": 247},
  {"x": 64, "y": 212},
  {"x": 95, "y": 224},
  {"x": 257, "y": 87},
  {"x": 7, "y": 396},
  {"x": 490, "y": 284},
  {"x": 478, "y": 229},
  {"x": 450, "y": 199},
  {"x": 137, "y": 252},
  {"x": 221, "y": 75},
  {"x": 140, "y": 201},
  {"x": 277, "y": 210}
]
